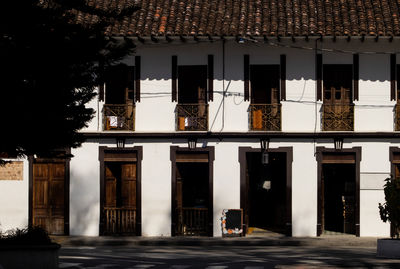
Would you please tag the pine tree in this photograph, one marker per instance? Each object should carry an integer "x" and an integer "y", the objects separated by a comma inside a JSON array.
[{"x": 52, "y": 62}]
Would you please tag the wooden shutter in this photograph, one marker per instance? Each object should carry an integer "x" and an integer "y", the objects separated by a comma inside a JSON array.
[
  {"x": 102, "y": 79},
  {"x": 318, "y": 70},
  {"x": 130, "y": 81},
  {"x": 137, "y": 78},
  {"x": 174, "y": 78},
  {"x": 246, "y": 68},
  {"x": 283, "y": 76},
  {"x": 393, "y": 77},
  {"x": 210, "y": 77},
  {"x": 355, "y": 76},
  {"x": 128, "y": 185}
]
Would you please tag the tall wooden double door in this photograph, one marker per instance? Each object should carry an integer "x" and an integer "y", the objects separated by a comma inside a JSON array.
[
  {"x": 48, "y": 196},
  {"x": 120, "y": 211}
]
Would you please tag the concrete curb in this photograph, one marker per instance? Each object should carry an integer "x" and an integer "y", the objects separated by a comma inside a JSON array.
[{"x": 336, "y": 241}]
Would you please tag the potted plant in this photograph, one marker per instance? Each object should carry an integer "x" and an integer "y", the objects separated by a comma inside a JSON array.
[
  {"x": 390, "y": 211},
  {"x": 28, "y": 248}
]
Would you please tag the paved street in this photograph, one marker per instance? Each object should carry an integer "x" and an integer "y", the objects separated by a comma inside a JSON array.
[{"x": 250, "y": 257}]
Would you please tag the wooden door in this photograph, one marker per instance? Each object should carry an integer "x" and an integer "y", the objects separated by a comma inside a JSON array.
[
  {"x": 120, "y": 198},
  {"x": 48, "y": 197},
  {"x": 338, "y": 114}
]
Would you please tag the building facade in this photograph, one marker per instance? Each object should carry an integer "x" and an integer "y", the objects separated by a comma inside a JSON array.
[{"x": 298, "y": 128}]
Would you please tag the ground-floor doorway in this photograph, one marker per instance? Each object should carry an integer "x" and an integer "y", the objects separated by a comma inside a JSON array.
[
  {"x": 192, "y": 193},
  {"x": 120, "y": 192},
  {"x": 338, "y": 191},
  {"x": 266, "y": 192},
  {"x": 49, "y": 193},
  {"x": 339, "y": 196}
]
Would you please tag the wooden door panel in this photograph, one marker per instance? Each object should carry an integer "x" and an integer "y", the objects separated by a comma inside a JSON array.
[
  {"x": 41, "y": 171},
  {"x": 128, "y": 185},
  {"x": 57, "y": 225},
  {"x": 48, "y": 196},
  {"x": 57, "y": 194},
  {"x": 111, "y": 187},
  {"x": 41, "y": 221},
  {"x": 40, "y": 194}
]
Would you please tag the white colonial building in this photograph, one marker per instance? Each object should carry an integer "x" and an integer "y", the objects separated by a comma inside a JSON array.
[{"x": 291, "y": 117}]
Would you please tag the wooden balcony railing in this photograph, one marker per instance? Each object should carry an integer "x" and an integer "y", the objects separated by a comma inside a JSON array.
[
  {"x": 397, "y": 118},
  {"x": 193, "y": 221},
  {"x": 337, "y": 117},
  {"x": 191, "y": 117},
  {"x": 119, "y": 220},
  {"x": 265, "y": 117},
  {"x": 119, "y": 117}
]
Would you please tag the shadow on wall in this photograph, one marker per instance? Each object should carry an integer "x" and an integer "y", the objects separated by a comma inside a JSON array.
[
  {"x": 84, "y": 204},
  {"x": 300, "y": 63}
]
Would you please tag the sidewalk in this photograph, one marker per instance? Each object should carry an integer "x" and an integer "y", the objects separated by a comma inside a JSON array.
[{"x": 326, "y": 241}]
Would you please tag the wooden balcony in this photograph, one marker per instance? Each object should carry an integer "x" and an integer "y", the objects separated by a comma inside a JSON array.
[
  {"x": 397, "y": 118},
  {"x": 119, "y": 117},
  {"x": 265, "y": 117},
  {"x": 191, "y": 117},
  {"x": 119, "y": 221},
  {"x": 193, "y": 221},
  {"x": 337, "y": 117}
]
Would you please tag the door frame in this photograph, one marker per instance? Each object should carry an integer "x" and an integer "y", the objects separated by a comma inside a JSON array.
[
  {"x": 66, "y": 161},
  {"x": 319, "y": 151},
  {"x": 211, "y": 156},
  {"x": 393, "y": 151},
  {"x": 243, "y": 194},
  {"x": 139, "y": 157}
]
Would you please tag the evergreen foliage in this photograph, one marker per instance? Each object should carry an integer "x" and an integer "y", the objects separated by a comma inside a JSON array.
[
  {"x": 51, "y": 64},
  {"x": 390, "y": 210}
]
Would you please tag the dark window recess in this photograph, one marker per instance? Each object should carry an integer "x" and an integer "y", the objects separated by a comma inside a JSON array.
[
  {"x": 120, "y": 85},
  {"x": 338, "y": 83},
  {"x": 264, "y": 81},
  {"x": 192, "y": 84}
]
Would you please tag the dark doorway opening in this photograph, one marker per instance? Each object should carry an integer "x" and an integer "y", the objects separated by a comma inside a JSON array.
[
  {"x": 338, "y": 198},
  {"x": 192, "y": 198},
  {"x": 264, "y": 84},
  {"x": 192, "y": 84},
  {"x": 266, "y": 187}
]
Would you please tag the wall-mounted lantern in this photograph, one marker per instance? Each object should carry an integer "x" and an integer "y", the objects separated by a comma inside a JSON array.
[
  {"x": 120, "y": 143},
  {"x": 192, "y": 142},
  {"x": 338, "y": 143},
  {"x": 264, "y": 150}
]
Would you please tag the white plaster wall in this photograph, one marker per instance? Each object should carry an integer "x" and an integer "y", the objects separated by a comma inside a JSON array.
[
  {"x": 155, "y": 112},
  {"x": 14, "y": 203},
  {"x": 156, "y": 183},
  {"x": 156, "y": 189},
  {"x": 374, "y": 110},
  {"x": 371, "y": 194},
  {"x": 304, "y": 190},
  {"x": 85, "y": 190},
  {"x": 226, "y": 181},
  {"x": 374, "y": 169}
]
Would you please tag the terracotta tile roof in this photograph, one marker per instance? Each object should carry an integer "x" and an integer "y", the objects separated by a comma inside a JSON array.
[{"x": 257, "y": 17}]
